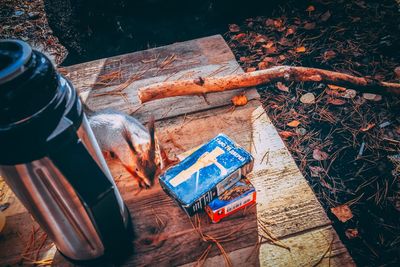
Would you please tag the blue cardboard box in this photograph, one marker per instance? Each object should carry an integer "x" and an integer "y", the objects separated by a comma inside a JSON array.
[{"x": 207, "y": 173}]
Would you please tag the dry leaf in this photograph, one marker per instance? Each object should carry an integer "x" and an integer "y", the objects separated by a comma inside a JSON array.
[
  {"x": 234, "y": 28},
  {"x": 372, "y": 97},
  {"x": 319, "y": 155},
  {"x": 291, "y": 31},
  {"x": 262, "y": 65},
  {"x": 251, "y": 69},
  {"x": 310, "y": 9},
  {"x": 342, "y": 212},
  {"x": 336, "y": 101},
  {"x": 368, "y": 127},
  {"x": 293, "y": 123},
  {"x": 397, "y": 72},
  {"x": 350, "y": 93},
  {"x": 282, "y": 87},
  {"x": 326, "y": 16},
  {"x": 308, "y": 98},
  {"x": 268, "y": 45},
  {"x": 335, "y": 87},
  {"x": 351, "y": 233},
  {"x": 278, "y": 23},
  {"x": 300, "y": 49},
  {"x": 239, "y": 100},
  {"x": 286, "y": 134},
  {"x": 329, "y": 55},
  {"x": 260, "y": 39},
  {"x": 239, "y": 36},
  {"x": 316, "y": 170},
  {"x": 310, "y": 26}
]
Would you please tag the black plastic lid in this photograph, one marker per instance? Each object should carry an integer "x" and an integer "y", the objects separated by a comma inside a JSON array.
[{"x": 33, "y": 100}]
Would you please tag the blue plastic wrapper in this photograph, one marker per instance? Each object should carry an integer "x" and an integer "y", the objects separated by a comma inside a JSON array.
[{"x": 206, "y": 173}]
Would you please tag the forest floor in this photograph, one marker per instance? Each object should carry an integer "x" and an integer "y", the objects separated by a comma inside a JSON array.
[{"x": 345, "y": 143}]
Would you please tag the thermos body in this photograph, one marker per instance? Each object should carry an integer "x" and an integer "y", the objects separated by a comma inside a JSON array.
[{"x": 51, "y": 160}]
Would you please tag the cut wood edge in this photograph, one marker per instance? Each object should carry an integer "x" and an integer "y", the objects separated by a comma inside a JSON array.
[{"x": 203, "y": 85}]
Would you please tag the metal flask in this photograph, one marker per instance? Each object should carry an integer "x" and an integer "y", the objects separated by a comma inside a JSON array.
[{"x": 50, "y": 159}]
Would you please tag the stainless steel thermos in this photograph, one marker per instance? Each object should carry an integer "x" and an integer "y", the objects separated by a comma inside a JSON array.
[{"x": 51, "y": 160}]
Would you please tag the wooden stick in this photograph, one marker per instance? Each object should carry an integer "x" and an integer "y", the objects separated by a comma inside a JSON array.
[{"x": 202, "y": 85}]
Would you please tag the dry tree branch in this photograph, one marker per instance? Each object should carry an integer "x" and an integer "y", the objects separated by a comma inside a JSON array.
[{"x": 202, "y": 85}]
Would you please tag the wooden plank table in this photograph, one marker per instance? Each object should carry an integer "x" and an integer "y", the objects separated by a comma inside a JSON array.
[{"x": 286, "y": 206}]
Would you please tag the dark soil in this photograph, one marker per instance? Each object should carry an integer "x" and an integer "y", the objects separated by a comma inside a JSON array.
[{"x": 359, "y": 138}]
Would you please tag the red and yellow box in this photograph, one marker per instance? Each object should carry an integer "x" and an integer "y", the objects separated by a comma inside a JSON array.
[{"x": 239, "y": 196}]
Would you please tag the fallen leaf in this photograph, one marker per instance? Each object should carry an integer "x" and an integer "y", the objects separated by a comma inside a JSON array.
[
  {"x": 278, "y": 23},
  {"x": 282, "y": 57},
  {"x": 268, "y": 45},
  {"x": 310, "y": 26},
  {"x": 244, "y": 59},
  {"x": 260, "y": 39},
  {"x": 239, "y": 36},
  {"x": 290, "y": 31},
  {"x": 397, "y": 72},
  {"x": 336, "y": 101},
  {"x": 351, "y": 233},
  {"x": 269, "y": 22},
  {"x": 350, "y": 93},
  {"x": 262, "y": 65},
  {"x": 319, "y": 155},
  {"x": 368, "y": 127},
  {"x": 310, "y": 9},
  {"x": 251, "y": 69},
  {"x": 308, "y": 98},
  {"x": 293, "y": 123},
  {"x": 286, "y": 134},
  {"x": 335, "y": 87},
  {"x": 239, "y": 100},
  {"x": 282, "y": 87},
  {"x": 316, "y": 170},
  {"x": 372, "y": 97},
  {"x": 328, "y": 55},
  {"x": 234, "y": 28},
  {"x": 326, "y": 16},
  {"x": 269, "y": 59},
  {"x": 342, "y": 212},
  {"x": 300, "y": 49}
]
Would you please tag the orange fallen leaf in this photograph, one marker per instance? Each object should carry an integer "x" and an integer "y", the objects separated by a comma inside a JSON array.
[
  {"x": 282, "y": 87},
  {"x": 336, "y": 101},
  {"x": 239, "y": 100},
  {"x": 293, "y": 123},
  {"x": 310, "y": 9},
  {"x": 300, "y": 49},
  {"x": 286, "y": 134},
  {"x": 239, "y": 36},
  {"x": 289, "y": 32},
  {"x": 335, "y": 87},
  {"x": 319, "y": 154},
  {"x": 342, "y": 212},
  {"x": 351, "y": 233},
  {"x": 262, "y": 65},
  {"x": 268, "y": 45},
  {"x": 368, "y": 127}
]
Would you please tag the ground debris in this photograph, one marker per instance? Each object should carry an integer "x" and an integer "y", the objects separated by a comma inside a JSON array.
[{"x": 357, "y": 166}]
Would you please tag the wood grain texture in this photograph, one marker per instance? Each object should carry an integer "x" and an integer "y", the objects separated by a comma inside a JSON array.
[{"x": 164, "y": 234}]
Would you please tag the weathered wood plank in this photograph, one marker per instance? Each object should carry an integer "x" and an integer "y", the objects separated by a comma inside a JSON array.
[
  {"x": 306, "y": 249},
  {"x": 202, "y": 57},
  {"x": 164, "y": 234}
]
